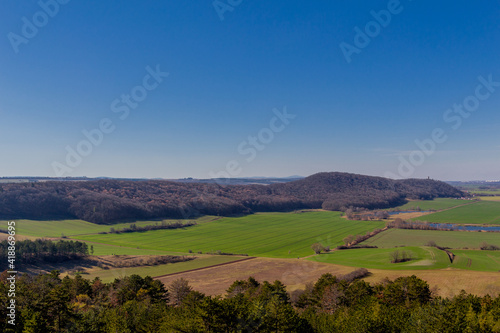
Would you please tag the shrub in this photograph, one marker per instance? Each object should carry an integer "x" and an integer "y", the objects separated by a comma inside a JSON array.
[
  {"x": 317, "y": 248},
  {"x": 489, "y": 247},
  {"x": 431, "y": 243}
]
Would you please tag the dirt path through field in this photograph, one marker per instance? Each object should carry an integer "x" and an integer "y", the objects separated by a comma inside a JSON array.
[{"x": 202, "y": 268}]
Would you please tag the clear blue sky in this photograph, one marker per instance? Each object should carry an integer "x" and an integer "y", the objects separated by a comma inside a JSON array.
[{"x": 226, "y": 77}]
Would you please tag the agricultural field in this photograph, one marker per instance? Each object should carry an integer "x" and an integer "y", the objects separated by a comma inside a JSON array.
[
  {"x": 452, "y": 239},
  {"x": 110, "y": 274},
  {"x": 495, "y": 198},
  {"x": 295, "y": 274},
  {"x": 480, "y": 212},
  {"x": 436, "y": 204},
  {"x": 281, "y": 235},
  {"x": 57, "y": 228},
  {"x": 423, "y": 258},
  {"x": 487, "y": 192},
  {"x": 106, "y": 249}
]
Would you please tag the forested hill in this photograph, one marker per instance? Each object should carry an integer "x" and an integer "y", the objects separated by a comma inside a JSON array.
[{"x": 107, "y": 201}]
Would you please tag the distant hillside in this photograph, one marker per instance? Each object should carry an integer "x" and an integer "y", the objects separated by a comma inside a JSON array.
[
  {"x": 240, "y": 181},
  {"x": 108, "y": 200}
]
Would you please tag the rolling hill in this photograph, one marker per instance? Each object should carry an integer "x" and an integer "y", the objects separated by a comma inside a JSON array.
[{"x": 107, "y": 200}]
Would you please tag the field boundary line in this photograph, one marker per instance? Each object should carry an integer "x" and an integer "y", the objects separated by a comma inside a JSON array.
[
  {"x": 206, "y": 267},
  {"x": 465, "y": 204},
  {"x": 493, "y": 258}
]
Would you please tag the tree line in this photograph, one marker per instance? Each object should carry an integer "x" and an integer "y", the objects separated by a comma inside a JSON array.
[
  {"x": 49, "y": 303},
  {"x": 163, "y": 225}
]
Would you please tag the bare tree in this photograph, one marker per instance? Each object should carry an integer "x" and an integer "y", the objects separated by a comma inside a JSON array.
[
  {"x": 394, "y": 256},
  {"x": 317, "y": 248},
  {"x": 179, "y": 289}
]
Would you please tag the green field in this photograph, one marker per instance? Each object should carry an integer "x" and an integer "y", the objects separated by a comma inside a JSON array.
[
  {"x": 436, "y": 204},
  {"x": 282, "y": 235},
  {"x": 111, "y": 274},
  {"x": 477, "y": 260},
  {"x": 105, "y": 249},
  {"x": 451, "y": 239},
  {"x": 480, "y": 212},
  {"x": 479, "y": 192},
  {"x": 56, "y": 228},
  {"x": 424, "y": 258}
]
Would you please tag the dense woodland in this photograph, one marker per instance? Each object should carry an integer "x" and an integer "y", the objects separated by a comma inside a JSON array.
[
  {"x": 47, "y": 303},
  {"x": 108, "y": 201},
  {"x": 40, "y": 250}
]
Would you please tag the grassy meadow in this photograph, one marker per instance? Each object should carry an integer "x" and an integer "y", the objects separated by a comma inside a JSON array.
[
  {"x": 452, "y": 239},
  {"x": 280, "y": 235},
  {"x": 56, "y": 228},
  {"x": 436, "y": 204},
  {"x": 200, "y": 262}
]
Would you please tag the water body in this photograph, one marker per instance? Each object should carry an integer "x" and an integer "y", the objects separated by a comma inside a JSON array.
[
  {"x": 465, "y": 227},
  {"x": 410, "y": 211}
]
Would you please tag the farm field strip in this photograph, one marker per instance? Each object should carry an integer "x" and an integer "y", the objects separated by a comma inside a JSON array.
[
  {"x": 256, "y": 235},
  {"x": 495, "y": 198},
  {"x": 452, "y": 239},
  {"x": 426, "y": 258},
  {"x": 436, "y": 204},
  {"x": 480, "y": 192}
]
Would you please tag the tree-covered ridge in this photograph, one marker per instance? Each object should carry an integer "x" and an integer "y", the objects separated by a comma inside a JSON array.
[
  {"x": 107, "y": 201},
  {"x": 47, "y": 303}
]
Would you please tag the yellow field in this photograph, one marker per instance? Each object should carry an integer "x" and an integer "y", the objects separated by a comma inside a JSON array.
[{"x": 497, "y": 198}]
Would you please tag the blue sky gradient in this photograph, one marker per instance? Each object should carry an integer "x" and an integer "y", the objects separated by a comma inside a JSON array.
[{"x": 227, "y": 76}]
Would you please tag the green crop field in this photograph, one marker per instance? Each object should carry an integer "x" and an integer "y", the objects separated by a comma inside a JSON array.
[
  {"x": 480, "y": 192},
  {"x": 424, "y": 258},
  {"x": 111, "y": 274},
  {"x": 56, "y": 228},
  {"x": 452, "y": 239},
  {"x": 477, "y": 260},
  {"x": 480, "y": 212},
  {"x": 282, "y": 235},
  {"x": 436, "y": 204}
]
